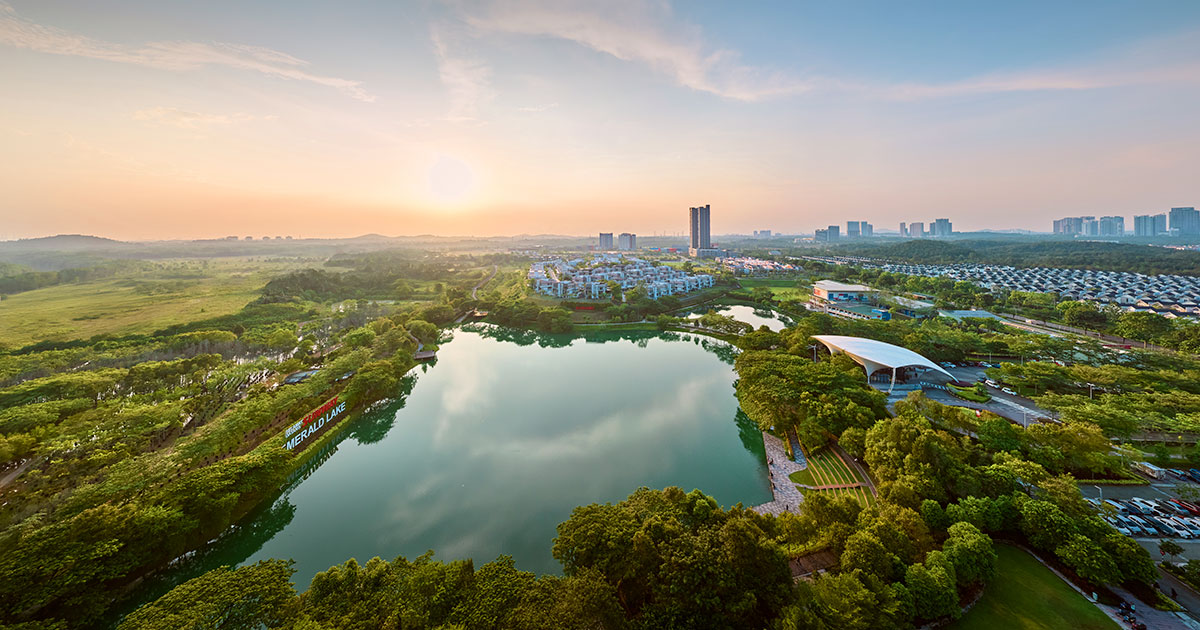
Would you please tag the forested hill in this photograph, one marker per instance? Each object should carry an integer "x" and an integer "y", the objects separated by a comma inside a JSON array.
[{"x": 1069, "y": 254}]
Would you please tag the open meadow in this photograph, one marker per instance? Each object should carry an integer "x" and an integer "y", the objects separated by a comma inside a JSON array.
[{"x": 164, "y": 293}]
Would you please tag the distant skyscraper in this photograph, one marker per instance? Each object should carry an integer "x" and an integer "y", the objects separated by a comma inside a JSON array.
[
  {"x": 903, "y": 229},
  {"x": 941, "y": 227},
  {"x": 699, "y": 219},
  {"x": 1071, "y": 226},
  {"x": 1149, "y": 225},
  {"x": 762, "y": 233},
  {"x": 701, "y": 243},
  {"x": 866, "y": 229},
  {"x": 1091, "y": 227},
  {"x": 1185, "y": 221},
  {"x": 852, "y": 229},
  {"x": 1112, "y": 226},
  {"x": 828, "y": 235},
  {"x": 606, "y": 241},
  {"x": 916, "y": 229},
  {"x": 627, "y": 241}
]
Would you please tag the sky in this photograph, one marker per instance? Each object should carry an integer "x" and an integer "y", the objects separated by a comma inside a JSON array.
[{"x": 150, "y": 119}]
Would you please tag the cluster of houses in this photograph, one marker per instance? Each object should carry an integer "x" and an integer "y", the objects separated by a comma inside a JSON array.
[
  {"x": 1168, "y": 295},
  {"x": 744, "y": 266},
  {"x": 583, "y": 280}
]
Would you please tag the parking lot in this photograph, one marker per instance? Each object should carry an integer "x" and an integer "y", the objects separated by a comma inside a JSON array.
[{"x": 1141, "y": 517}]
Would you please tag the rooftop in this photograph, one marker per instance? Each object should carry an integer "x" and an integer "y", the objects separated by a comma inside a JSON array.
[
  {"x": 875, "y": 355},
  {"x": 830, "y": 285}
]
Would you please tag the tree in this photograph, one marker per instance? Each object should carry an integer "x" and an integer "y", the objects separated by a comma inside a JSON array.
[
  {"x": 1142, "y": 325},
  {"x": 933, "y": 587},
  {"x": 971, "y": 553},
  {"x": 1046, "y": 525},
  {"x": 1082, "y": 314},
  {"x": 678, "y": 560},
  {"x": 423, "y": 330},
  {"x": 864, "y": 552},
  {"x": 359, "y": 338},
  {"x": 1169, "y": 547},
  {"x": 1088, "y": 560},
  {"x": 817, "y": 400},
  {"x": 258, "y": 595},
  {"x": 998, "y": 434}
]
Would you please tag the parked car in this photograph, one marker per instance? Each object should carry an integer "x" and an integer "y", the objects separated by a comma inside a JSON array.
[
  {"x": 1186, "y": 507},
  {"x": 1009, "y": 391},
  {"x": 1190, "y": 525}
]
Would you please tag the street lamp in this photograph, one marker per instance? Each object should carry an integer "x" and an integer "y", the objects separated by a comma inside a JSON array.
[{"x": 1101, "y": 491}]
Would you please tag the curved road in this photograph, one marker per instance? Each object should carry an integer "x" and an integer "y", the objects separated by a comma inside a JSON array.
[{"x": 475, "y": 291}]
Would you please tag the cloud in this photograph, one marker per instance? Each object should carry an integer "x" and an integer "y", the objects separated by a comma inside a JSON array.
[
  {"x": 538, "y": 108},
  {"x": 192, "y": 120},
  {"x": 467, "y": 80},
  {"x": 169, "y": 55},
  {"x": 643, "y": 32},
  {"x": 646, "y": 32}
]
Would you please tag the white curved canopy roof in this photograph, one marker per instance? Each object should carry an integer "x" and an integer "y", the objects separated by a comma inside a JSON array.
[{"x": 876, "y": 355}]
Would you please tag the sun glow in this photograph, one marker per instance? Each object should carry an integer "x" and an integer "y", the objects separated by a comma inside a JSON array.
[{"x": 451, "y": 180}]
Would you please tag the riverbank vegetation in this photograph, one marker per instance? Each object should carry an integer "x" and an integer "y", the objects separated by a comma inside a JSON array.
[{"x": 119, "y": 454}]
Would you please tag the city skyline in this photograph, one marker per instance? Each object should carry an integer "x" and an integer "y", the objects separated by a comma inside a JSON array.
[{"x": 138, "y": 120}]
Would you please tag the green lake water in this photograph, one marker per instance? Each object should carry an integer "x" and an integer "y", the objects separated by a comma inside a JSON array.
[
  {"x": 486, "y": 451},
  {"x": 754, "y": 316}
]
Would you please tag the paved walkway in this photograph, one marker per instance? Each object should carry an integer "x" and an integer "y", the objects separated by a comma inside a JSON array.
[{"x": 779, "y": 467}]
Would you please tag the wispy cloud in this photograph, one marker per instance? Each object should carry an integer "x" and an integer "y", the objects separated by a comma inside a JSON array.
[
  {"x": 642, "y": 32},
  {"x": 169, "y": 55},
  {"x": 192, "y": 120},
  {"x": 467, "y": 80},
  {"x": 647, "y": 32},
  {"x": 538, "y": 108}
]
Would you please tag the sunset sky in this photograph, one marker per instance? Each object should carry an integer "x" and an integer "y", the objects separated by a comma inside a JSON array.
[{"x": 159, "y": 119}]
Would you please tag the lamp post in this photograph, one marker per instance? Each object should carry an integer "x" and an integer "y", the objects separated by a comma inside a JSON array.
[{"x": 1101, "y": 491}]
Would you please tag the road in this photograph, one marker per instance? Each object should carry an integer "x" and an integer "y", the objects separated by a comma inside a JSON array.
[
  {"x": 1179, "y": 592},
  {"x": 475, "y": 291}
]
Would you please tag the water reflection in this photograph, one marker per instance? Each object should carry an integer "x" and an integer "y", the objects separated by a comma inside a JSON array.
[{"x": 502, "y": 438}]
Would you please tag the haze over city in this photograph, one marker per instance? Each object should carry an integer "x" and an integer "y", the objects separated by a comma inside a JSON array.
[{"x": 148, "y": 120}]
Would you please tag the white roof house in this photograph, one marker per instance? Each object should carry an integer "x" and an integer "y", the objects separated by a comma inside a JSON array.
[{"x": 876, "y": 355}]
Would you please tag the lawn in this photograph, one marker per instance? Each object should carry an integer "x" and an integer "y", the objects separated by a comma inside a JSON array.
[
  {"x": 1025, "y": 595},
  {"x": 174, "y": 292},
  {"x": 825, "y": 469},
  {"x": 782, "y": 288}
]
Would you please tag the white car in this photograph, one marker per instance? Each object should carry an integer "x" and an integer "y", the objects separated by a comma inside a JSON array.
[{"x": 1009, "y": 391}]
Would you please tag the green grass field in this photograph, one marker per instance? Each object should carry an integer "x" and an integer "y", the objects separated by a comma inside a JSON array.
[
  {"x": 175, "y": 291},
  {"x": 1025, "y": 595},
  {"x": 783, "y": 288},
  {"x": 825, "y": 469}
]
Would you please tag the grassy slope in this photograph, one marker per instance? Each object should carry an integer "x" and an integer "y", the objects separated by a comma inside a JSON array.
[
  {"x": 825, "y": 468},
  {"x": 115, "y": 305},
  {"x": 1026, "y": 596}
]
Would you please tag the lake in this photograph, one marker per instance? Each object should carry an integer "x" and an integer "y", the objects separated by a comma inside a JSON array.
[
  {"x": 754, "y": 316},
  {"x": 486, "y": 451}
]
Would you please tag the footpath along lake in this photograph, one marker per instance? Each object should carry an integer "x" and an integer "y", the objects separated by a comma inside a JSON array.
[{"x": 486, "y": 451}]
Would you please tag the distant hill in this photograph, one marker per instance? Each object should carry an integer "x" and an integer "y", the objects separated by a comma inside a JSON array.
[{"x": 63, "y": 243}]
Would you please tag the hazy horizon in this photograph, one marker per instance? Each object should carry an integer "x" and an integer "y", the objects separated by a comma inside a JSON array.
[{"x": 139, "y": 120}]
